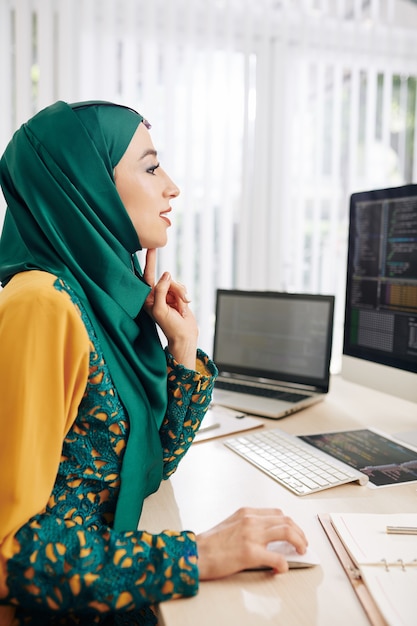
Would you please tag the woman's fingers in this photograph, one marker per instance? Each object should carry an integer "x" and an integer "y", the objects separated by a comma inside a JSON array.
[
  {"x": 170, "y": 293},
  {"x": 174, "y": 295},
  {"x": 177, "y": 296},
  {"x": 150, "y": 265},
  {"x": 241, "y": 542},
  {"x": 288, "y": 531}
]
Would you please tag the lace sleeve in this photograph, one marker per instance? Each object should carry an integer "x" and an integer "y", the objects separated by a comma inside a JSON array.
[
  {"x": 189, "y": 396},
  {"x": 60, "y": 567}
]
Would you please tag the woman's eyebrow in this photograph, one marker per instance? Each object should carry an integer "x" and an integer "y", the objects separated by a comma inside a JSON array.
[{"x": 148, "y": 152}]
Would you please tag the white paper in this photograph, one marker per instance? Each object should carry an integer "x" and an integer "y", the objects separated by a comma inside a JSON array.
[{"x": 367, "y": 541}]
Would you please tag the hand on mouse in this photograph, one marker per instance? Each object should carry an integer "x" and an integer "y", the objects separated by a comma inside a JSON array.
[{"x": 241, "y": 542}]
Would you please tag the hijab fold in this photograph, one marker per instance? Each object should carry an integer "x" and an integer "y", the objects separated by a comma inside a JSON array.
[{"x": 65, "y": 216}]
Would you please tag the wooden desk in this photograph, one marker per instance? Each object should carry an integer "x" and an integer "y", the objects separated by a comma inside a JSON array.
[{"x": 212, "y": 482}]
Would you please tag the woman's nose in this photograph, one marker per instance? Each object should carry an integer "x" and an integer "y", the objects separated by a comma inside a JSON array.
[{"x": 173, "y": 190}]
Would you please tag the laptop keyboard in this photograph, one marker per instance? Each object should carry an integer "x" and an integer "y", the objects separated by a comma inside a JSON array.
[
  {"x": 265, "y": 392},
  {"x": 290, "y": 462}
]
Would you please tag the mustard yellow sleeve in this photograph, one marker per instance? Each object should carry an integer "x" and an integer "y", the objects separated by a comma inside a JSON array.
[{"x": 44, "y": 360}]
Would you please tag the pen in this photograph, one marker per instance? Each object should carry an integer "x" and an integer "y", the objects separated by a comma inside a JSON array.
[{"x": 402, "y": 530}]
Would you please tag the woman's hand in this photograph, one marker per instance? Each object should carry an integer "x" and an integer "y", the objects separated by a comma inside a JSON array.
[
  {"x": 167, "y": 304},
  {"x": 240, "y": 542}
]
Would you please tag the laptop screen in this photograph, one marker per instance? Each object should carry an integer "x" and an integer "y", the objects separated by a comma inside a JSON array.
[{"x": 278, "y": 336}]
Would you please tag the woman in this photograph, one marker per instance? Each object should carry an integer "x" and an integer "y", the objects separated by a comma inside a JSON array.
[{"x": 94, "y": 413}]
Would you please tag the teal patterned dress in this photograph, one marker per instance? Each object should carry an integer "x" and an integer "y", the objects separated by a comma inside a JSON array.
[{"x": 69, "y": 565}]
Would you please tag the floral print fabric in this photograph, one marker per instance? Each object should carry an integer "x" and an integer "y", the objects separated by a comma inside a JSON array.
[{"x": 69, "y": 566}]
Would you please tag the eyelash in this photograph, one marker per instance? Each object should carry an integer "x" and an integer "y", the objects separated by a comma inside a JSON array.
[{"x": 151, "y": 170}]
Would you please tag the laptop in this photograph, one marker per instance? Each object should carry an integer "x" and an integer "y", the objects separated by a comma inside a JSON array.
[{"x": 272, "y": 350}]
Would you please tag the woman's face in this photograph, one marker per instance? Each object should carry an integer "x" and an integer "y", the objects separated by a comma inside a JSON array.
[{"x": 145, "y": 189}]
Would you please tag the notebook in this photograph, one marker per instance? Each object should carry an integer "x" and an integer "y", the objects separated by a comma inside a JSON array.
[
  {"x": 272, "y": 350},
  {"x": 381, "y": 566}
]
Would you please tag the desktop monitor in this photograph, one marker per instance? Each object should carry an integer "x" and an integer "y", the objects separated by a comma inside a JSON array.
[{"x": 380, "y": 333}]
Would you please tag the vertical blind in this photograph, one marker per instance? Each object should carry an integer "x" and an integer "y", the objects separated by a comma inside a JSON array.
[{"x": 268, "y": 115}]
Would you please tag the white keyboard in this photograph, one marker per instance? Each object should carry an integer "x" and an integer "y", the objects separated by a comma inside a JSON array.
[{"x": 292, "y": 462}]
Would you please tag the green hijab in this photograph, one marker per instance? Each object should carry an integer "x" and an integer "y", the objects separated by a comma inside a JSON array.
[{"x": 64, "y": 215}]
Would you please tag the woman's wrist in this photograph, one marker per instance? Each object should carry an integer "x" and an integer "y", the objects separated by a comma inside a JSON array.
[{"x": 184, "y": 352}]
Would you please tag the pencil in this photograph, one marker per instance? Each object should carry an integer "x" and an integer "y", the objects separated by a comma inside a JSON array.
[{"x": 402, "y": 530}]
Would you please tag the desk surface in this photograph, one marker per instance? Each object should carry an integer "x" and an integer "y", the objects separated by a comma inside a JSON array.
[{"x": 212, "y": 482}]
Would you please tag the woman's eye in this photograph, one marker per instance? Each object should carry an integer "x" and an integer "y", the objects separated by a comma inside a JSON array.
[{"x": 151, "y": 170}]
